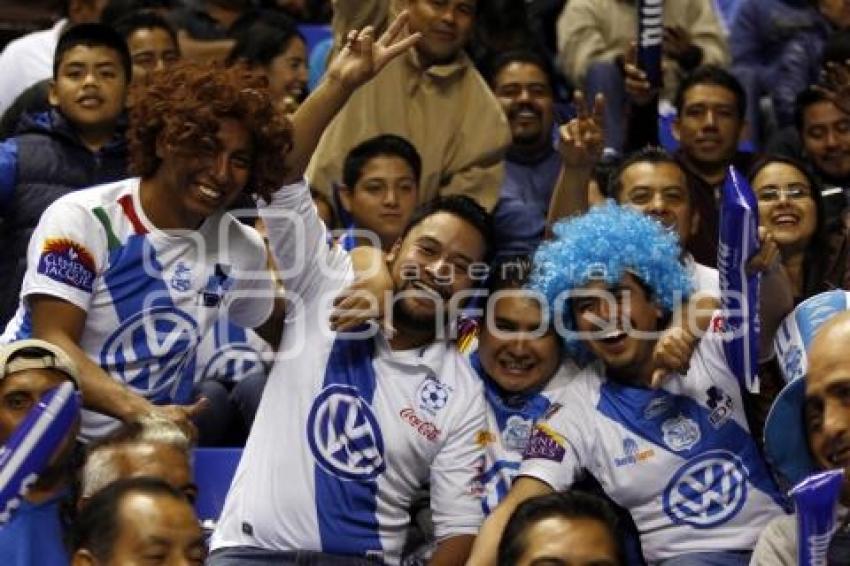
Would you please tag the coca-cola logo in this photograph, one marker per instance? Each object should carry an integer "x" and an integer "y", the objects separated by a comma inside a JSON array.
[{"x": 426, "y": 428}]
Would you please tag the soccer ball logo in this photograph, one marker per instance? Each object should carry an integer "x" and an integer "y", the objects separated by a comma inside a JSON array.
[{"x": 433, "y": 395}]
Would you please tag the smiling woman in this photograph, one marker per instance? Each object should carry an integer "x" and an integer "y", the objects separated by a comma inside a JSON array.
[{"x": 814, "y": 253}]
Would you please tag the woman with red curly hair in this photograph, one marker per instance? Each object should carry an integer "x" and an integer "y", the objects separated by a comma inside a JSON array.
[{"x": 127, "y": 277}]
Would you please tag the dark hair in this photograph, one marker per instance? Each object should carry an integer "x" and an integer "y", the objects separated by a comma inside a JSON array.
[
  {"x": 817, "y": 258},
  {"x": 263, "y": 40},
  {"x": 837, "y": 48},
  {"x": 567, "y": 505},
  {"x": 809, "y": 96},
  {"x": 92, "y": 35},
  {"x": 319, "y": 196},
  {"x": 131, "y": 23},
  {"x": 184, "y": 105},
  {"x": 119, "y": 9},
  {"x": 509, "y": 272},
  {"x": 530, "y": 56},
  {"x": 382, "y": 145},
  {"x": 712, "y": 75},
  {"x": 649, "y": 154},
  {"x": 603, "y": 169},
  {"x": 97, "y": 526},
  {"x": 464, "y": 208}
]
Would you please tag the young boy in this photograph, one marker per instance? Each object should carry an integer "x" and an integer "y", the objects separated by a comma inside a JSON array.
[
  {"x": 151, "y": 41},
  {"x": 79, "y": 143},
  {"x": 380, "y": 188}
]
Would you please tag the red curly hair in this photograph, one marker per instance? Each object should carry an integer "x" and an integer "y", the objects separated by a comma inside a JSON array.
[{"x": 184, "y": 104}]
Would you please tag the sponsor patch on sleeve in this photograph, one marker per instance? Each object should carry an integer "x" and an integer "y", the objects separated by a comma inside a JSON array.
[
  {"x": 545, "y": 443},
  {"x": 67, "y": 262}
]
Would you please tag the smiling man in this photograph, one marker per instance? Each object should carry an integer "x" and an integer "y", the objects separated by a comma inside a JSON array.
[
  {"x": 519, "y": 362},
  {"x": 679, "y": 458},
  {"x": 711, "y": 110},
  {"x": 127, "y": 277},
  {"x": 808, "y": 429},
  {"x": 351, "y": 427},
  {"x": 524, "y": 85}
]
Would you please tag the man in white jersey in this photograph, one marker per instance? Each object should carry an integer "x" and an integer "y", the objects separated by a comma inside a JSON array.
[
  {"x": 349, "y": 428},
  {"x": 518, "y": 359},
  {"x": 680, "y": 458},
  {"x": 127, "y": 277}
]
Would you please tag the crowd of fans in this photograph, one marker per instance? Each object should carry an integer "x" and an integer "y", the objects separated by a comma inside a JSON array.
[{"x": 447, "y": 274}]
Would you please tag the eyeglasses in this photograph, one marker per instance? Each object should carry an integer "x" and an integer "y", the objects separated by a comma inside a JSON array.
[{"x": 772, "y": 193}]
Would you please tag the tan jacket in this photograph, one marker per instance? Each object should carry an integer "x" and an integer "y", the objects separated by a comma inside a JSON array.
[
  {"x": 600, "y": 30},
  {"x": 446, "y": 111}
]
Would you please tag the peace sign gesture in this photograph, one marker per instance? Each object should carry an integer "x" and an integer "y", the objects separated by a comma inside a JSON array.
[
  {"x": 361, "y": 57},
  {"x": 581, "y": 138}
]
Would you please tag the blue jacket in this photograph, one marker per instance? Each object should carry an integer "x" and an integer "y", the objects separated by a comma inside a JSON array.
[
  {"x": 43, "y": 162},
  {"x": 781, "y": 42},
  {"x": 519, "y": 218}
]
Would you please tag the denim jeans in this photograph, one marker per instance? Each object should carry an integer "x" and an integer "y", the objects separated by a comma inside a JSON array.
[
  {"x": 250, "y": 556},
  {"x": 720, "y": 558}
]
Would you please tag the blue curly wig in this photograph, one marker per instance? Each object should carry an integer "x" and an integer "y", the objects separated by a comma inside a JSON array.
[{"x": 605, "y": 243}]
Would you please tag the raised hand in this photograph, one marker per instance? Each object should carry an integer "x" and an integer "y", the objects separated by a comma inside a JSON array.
[
  {"x": 672, "y": 354},
  {"x": 835, "y": 84},
  {"x": 767, "y": 255},
  {"x": 181, "y": 415},
  {"x": 361, "y": 58},
  {"x": 638, "y": 86},
  {"x": 582, "y": 137}
]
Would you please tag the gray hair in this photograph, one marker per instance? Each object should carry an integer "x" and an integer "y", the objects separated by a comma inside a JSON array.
[{"x": 101, "y": 467}]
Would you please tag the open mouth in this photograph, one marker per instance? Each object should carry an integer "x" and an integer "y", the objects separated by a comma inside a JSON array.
[
  {"x": 209, "y": 193},
  {"x": 515, "y": 366},
  {"x": 613, "y": 338},
  {"x": 786, "y": 219},
  {"x": 297, "y": 91},
  {"x": 89, "y": 101}
]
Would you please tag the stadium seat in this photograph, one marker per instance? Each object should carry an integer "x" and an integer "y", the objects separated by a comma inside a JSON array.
[{"x": 214, "y": 469}]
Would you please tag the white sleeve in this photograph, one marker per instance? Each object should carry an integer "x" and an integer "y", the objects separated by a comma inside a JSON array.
[
  {"x": 252, "y": 296},
  {"x": 555, "y": 453},
  {"x": 456, "y": 474},
  {"x": 777, "y": 544},
  {"x": 66, "y": 254},
  {"x": 710, "y": 356},
  {"x": 307, "y": 261}
]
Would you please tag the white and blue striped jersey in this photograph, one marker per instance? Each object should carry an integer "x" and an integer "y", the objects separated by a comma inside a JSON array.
[
  {"x": 681, "y": 459},
  {"x": 510, "y": 420},
  {"x": 150, "y": 296},
  {"x": 349, "y": 430},
  {"x": 230, "y": 353}
]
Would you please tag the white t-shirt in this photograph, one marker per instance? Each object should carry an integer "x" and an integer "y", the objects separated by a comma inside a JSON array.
[
  {"x": 149, "y": 295},
  {"x": 27, "y": 60},
  {"x": 704, "y": 279},
  {"x": 681, "y": 459},
  {"x": 336, "y": 456}
]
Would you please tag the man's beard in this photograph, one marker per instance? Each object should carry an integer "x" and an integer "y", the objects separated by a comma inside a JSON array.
[{"x": 405, "y": 318}]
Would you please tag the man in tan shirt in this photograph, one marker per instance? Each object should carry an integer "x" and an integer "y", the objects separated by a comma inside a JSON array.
[{"x": 432, "y": 96}]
